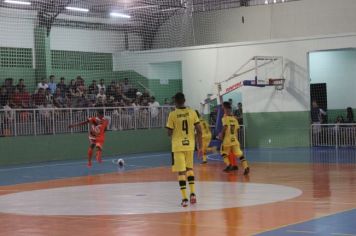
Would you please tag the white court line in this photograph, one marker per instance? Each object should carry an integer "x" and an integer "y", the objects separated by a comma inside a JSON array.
[{"x": 77, "y": 162}]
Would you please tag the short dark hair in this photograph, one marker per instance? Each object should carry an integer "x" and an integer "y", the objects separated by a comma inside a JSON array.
[
  {"x": 62, "y": 78},
  {"x": 179, "y": 98},
  {"x": 227, "y": 105}
]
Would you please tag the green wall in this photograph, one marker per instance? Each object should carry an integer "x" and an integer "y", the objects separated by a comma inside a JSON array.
[
  {"x": 22, "y": 150},
  {"x": 162, "y": 91},
  {"x": 283, "y": 129},
  {"x": 17, "y": 63}
]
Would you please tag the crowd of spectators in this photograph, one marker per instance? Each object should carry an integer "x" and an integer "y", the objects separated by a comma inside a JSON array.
[{"x": 75, "y": 94}]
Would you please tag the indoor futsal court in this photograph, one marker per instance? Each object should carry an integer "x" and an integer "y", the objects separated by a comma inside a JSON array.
[{"x": 177, "y": 117}]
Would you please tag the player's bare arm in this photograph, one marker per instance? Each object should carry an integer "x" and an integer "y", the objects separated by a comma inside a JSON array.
[
  {"x": 170, "y": 132},
  {"x": 199, "y": 138},
  {"x": 78, "y": 124}
]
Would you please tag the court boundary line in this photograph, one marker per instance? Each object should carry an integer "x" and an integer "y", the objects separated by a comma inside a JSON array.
[{"x": 303, "y": 221}]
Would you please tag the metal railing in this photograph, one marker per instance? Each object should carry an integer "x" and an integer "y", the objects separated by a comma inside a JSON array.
[
  {"x": 29, "y": 122},
  {"x": 333, "y": 135}
]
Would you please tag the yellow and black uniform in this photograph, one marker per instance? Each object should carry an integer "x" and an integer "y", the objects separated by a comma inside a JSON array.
[
  {"x": 206, "y": 137},
  {"x": 230, "y": 143},
  {"x": 182, "y": 122}
]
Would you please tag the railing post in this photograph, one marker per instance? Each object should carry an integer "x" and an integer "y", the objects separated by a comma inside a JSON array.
[
  {"x": 162, "y": 117},
  {"x": 337, "y": 136},
  {"x": 149, "y": 118},
  {"x": 34, "y": 123},
  {"x": 135, "y": 118},
  {"x": 15, "y": 122},
  {"x": 53, "y": 122},
  {"x": 71, "y": 119},
  {"x": 311, "y": 136}
]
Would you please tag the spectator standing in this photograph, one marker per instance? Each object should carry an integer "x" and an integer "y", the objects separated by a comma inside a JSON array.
[
  {"x": 72, "y": 88},
  {"x": 126, "y": 86},
  {"x": 21, "y": 85},
  {"x": 10, "y": 88},
  {"x": 39, "y": 98},
  {"x": 101, "y": 86},
  {"x": 166, "y": 102},
  {"x": 110, "y": 92},
  {"x": 49, "y": 96},
  {"x": 93, "y": 88},
  {"x": 317, "y": 113},
  {"x": 25, "y": 98},
  {"x": 154, "y": 105},
  {"x": 101, "y": 97},
  {"x": 15, "y": 99},
  {"x": 62, "y": 86},
  {"x": 42, "y": 85},
  {"x": 349, "y": 115},
  {"x": 4, "y": 97},
  {"x": 52, "y": 85}
]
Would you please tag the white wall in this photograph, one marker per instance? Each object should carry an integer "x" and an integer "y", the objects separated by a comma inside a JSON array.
[
  {"x": 274, "y": 21},
  {"x": 202, "y": 66},
  {"x": 338, "y": 70},
  {"x": 17, "y": 30}
]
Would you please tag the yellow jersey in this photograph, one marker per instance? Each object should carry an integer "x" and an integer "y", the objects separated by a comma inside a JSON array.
[
  {"x": 232, "y": 127},
  {"x": 182, "y": 121},
  {"x": 205, "y": 129}
]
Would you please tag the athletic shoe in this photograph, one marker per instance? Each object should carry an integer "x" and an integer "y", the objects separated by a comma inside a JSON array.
[
  {"x": 203, "y": 162},
  {"x": 89, "y": 164},
  {"x": 193, "y": 198},
  {"x": 184, "y": 203},
  {"x": 234, "y": 168},
  {"x": 228, "y": 168},
  {"x": 246, "y": 171}
]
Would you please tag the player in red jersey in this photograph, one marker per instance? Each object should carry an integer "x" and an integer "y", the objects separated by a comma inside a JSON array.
[{"x": 98, "y": 126}]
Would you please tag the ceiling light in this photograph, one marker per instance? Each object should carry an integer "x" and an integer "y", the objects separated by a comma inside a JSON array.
[
  {"x": 77, "y": 9},
  {"x": 17, "y": 2},
  {"x": 274, "y": 1},
  {"x": 121, "y": 15},
  {"x": 266, "y": 1}
]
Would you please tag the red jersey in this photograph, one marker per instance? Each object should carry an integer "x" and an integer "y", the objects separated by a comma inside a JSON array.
[{"x": 98, "y": 127}]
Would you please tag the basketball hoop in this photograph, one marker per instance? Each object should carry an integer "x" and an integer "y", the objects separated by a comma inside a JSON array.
[{"x": 277, "y": 83}]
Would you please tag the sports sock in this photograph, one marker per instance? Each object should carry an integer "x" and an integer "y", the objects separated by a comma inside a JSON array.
[
  {"x": 226, "y": 159},
  {"x": 90, "y": 153},
  {"x": 190, "y": 177},
  {"x": 243, "y": 162},
  {"x": 232, "y": 159},
  {"x": 98, "y": 155},
  {"x": 183, "y": 186},
  {"x": 205, "y": 157}
]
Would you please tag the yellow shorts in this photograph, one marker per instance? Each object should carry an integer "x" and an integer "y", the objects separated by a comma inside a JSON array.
[
  {"x": 205, "y": 143},
  {"x": 182, "y": 160},
  {"x": 235, "y": 149}
]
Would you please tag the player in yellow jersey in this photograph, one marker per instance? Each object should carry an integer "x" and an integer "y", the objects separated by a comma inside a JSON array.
[
  {"x": 182, "y": 124},
  {"x": 230, "y": 143},
  {"x": 206, "y": 138}
]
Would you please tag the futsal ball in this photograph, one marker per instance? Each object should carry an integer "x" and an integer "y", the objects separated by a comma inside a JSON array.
[{"x": 121, "y": 162}]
